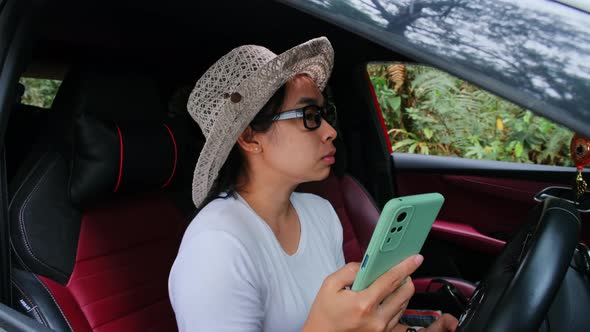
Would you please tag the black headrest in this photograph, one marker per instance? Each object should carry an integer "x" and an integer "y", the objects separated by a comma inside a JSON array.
[
  {"x": 98, "y": 109},
  {"x": 111, "y": 157}
]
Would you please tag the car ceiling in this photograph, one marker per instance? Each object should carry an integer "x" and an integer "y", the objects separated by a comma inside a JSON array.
[{"x": 183, "y": 36}]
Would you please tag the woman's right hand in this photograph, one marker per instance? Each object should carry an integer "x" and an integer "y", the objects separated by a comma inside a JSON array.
[{"x": 376, "y": 308}]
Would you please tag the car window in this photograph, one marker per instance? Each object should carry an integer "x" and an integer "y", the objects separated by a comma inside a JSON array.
[
  {"x": 431, "y": 112},
  {"x": 39, "y": 92}
]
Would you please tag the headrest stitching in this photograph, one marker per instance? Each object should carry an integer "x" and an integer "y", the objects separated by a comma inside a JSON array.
[
  {"x": 175, "y": 156},
  {"x": 120, "y": 158}
]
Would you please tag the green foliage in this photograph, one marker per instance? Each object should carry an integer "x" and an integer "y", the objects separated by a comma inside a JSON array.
[
  {"x": 438, "y": 114},
  {"x": 39, "y": 92}
]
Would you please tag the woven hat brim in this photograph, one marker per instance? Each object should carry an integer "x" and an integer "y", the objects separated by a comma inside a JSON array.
[{"x": 314, "y": 57}]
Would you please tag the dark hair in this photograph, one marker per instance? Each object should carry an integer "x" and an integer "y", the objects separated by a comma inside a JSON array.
[{"x": 234, "y": 164}]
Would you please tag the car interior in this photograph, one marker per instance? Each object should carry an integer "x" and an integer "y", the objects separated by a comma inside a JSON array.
[{"x": 98, "y": 186}]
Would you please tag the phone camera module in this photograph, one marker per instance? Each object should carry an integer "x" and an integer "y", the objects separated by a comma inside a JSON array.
[{"x": 401, "y": 217}]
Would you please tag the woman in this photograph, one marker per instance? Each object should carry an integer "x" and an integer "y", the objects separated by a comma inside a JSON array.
[{"x": 258, "y": 256}]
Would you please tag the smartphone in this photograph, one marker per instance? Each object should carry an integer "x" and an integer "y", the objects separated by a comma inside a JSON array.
[{"x": 401, "y": 231}]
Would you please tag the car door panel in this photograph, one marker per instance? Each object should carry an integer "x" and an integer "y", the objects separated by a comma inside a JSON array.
[
  {"x": 489, "y": 205},
  {"x": 466, "y": 236},
  {"x": 485, "y": 201}
]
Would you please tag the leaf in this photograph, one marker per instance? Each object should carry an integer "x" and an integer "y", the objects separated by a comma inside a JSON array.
[
  {"x": 428, "y": 133},
  {"x": 424, "y": 149},
  {"x": 378, "y": 80},
  {"x": 402, "y": 143},
  {"x": 527, "y": 117},
  {"x": 518, "y": 149},
  {"x": 395, "y": 102}
]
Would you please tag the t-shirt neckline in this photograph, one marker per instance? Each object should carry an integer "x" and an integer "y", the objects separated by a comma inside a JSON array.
[{"x": 302, "y": 237}]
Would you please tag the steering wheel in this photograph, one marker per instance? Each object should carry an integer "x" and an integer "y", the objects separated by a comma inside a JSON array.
[{"x": 521, "y": 285}]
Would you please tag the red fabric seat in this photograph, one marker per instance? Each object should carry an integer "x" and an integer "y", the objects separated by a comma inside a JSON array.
[
  {"x": 356, "y": 210},
  {"x": 119, "y": 279}
]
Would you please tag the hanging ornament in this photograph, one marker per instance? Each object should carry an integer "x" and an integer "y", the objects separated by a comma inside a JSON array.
[{"x": 580, "y": 153}]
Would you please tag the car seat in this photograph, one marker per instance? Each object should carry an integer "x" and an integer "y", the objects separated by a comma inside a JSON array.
[{"x": 97, "y": 212}]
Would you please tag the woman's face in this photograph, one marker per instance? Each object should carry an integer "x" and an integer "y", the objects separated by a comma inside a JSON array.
[{"x": 291, "y": 150}]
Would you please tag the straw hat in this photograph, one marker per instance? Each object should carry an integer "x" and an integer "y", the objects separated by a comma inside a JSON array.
[{"x": 228, "y": 96}]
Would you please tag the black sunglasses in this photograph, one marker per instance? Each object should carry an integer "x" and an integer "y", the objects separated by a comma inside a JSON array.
[{"x": 312, "y": 115}]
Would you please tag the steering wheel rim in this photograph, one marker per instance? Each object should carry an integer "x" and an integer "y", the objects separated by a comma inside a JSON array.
[{"x": 521, "y": 285}]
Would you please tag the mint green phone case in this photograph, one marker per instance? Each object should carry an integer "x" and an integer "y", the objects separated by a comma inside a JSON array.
[{"x": 401, "y": 231}]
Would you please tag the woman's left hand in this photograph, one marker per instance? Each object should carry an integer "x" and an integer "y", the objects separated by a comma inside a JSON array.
[{"x": 445, "y": 323}]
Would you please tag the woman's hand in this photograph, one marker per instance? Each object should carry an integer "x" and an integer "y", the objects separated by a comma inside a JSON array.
[
  {"x": 377, "y": 308},
  {"x": 445, "y": 323}
]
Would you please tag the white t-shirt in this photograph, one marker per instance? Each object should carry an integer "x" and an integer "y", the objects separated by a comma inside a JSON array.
[{"x": 231, "y": 273}]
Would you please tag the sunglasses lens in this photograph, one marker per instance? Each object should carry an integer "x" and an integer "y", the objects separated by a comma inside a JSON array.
[
  {"x": 312, "y": 117},
  {"x": 314, "y": 114}
]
